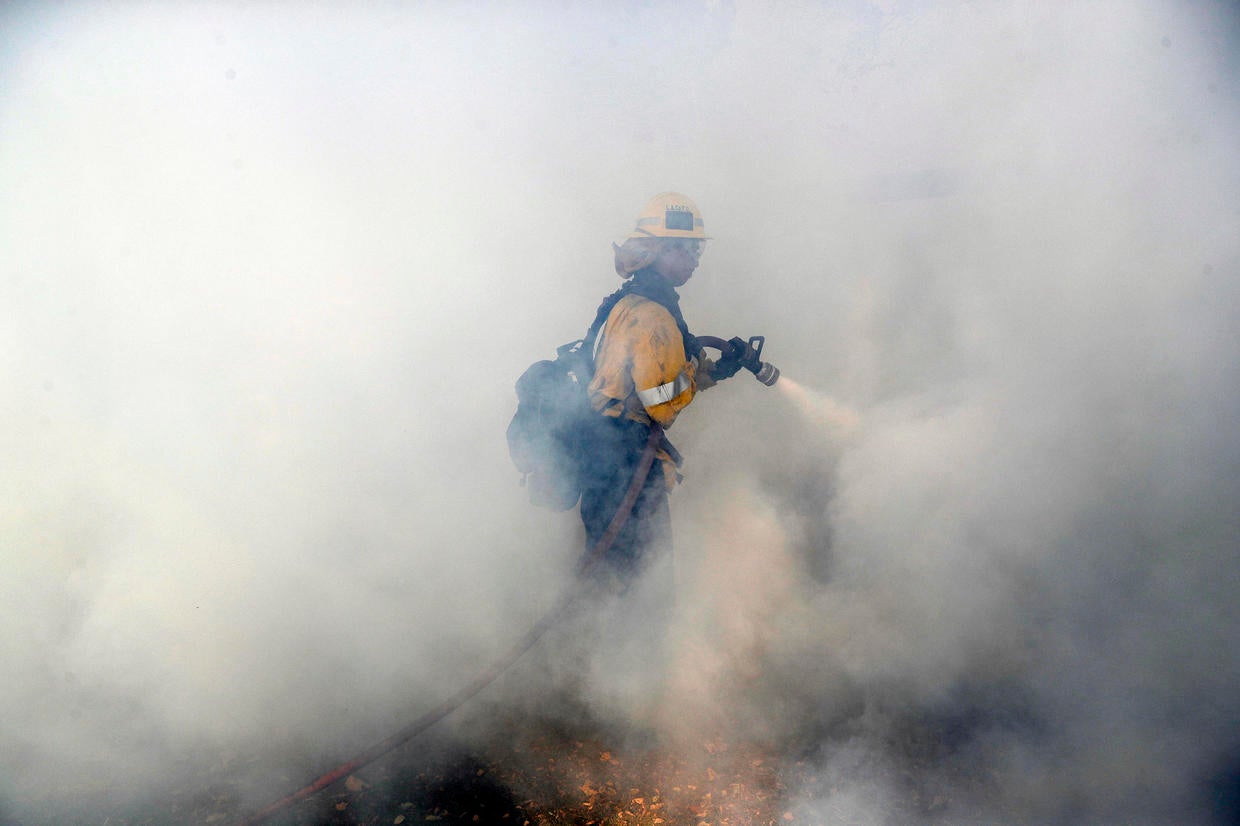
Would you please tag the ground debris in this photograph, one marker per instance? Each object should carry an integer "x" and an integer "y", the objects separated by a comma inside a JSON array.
[{"x": 583, "y": 782}]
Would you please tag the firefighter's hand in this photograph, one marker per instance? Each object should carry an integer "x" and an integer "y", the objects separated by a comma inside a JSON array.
[
  {"x": 743, "y": 353},
  {"x": 726, "y": 368}
]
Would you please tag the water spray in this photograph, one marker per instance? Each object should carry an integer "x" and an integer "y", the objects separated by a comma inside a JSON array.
[
  {"x": 817, "y": 408},
  {"x": 820, "y": 409}
]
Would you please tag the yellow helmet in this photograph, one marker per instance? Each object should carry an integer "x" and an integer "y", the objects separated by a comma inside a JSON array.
[{"x": 670, "y": 215}]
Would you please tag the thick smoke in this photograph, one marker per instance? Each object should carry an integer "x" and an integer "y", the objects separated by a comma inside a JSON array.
[{"x": 270, "y": 273}]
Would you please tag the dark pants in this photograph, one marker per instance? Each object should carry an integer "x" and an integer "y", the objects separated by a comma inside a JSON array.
[
  {"x": 609, "y": 462},
  {"x": 631, "y": 589}
]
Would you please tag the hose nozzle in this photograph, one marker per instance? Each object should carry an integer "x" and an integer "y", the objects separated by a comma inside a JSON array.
[
  {"x": 763, "y": 371},
  {"x": 766, "y": 373}
]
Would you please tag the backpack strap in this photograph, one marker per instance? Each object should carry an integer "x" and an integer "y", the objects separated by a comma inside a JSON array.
[
  {"x": 600, "y": 317},
  {"x": 642, "y": 283}
]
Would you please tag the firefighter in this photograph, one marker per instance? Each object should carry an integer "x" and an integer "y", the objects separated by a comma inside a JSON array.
[{"x": 647, "y": 368}]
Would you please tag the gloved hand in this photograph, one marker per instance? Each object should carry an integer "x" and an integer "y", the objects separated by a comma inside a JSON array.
[
  {"x": 727, "y": 366},
  {"x": 743, "y": 353}
]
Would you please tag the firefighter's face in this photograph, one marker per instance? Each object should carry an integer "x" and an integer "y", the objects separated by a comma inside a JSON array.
[{"x": 677, "y": 259}]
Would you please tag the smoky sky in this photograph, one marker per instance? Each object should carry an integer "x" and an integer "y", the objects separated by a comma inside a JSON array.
[{"x": 269, "y": 273}]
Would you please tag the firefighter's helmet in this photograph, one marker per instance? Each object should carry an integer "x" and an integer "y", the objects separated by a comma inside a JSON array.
[{"x": 670, "y": 215}]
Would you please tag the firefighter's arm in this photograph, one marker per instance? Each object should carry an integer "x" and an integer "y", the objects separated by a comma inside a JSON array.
[{"x": 663, "y": 380}]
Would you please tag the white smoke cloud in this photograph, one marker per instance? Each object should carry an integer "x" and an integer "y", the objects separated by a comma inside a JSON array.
[{"x": 271, "y": 273}]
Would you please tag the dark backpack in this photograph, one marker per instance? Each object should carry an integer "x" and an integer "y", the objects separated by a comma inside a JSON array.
[{"x": 547, "y": 435}]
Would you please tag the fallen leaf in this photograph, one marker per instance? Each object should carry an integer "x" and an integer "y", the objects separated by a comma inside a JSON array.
[
  {"x": 341, "y": 806},
  {"x": 354, "y": 784},
  {"x": 399, "y": 819},
  {"x": 789, "y": 816}
]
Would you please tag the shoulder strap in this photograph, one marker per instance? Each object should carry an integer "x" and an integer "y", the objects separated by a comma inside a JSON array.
[
  {"x": 655, "y": 290},
  {"x": 646, "y": 284},
  {"x": 600, "y": 317}
]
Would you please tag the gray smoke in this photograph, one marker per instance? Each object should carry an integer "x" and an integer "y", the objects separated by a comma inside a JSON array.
[{"x": 270, "y": 272}]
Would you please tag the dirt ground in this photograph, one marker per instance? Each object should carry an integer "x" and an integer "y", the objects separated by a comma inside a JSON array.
[{"x": 528, "y": 775}]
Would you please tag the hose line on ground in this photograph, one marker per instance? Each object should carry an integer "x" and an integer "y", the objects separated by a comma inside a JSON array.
[{"x": 467, "y": 692}]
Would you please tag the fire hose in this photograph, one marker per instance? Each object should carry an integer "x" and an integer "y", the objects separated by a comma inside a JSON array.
[
  {"x": 467, "y": 692},
  {"x": 748, "y": 355}
]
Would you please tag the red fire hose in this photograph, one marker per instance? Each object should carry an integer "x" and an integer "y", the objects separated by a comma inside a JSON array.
[{"x": 466, "y": 692}]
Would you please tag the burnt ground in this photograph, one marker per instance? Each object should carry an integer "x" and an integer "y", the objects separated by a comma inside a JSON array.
[
  {"x": 530, "y": 773},
  {"x": 537, "y": 779},
  {"x": 538, "y": 773}
]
